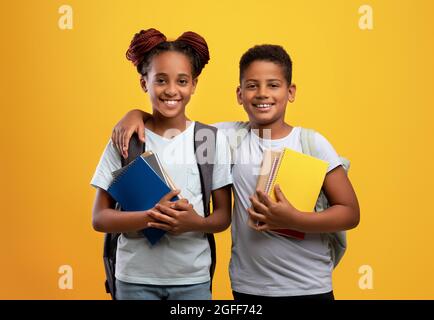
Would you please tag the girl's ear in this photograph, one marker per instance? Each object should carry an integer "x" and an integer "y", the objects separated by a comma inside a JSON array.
[
  {"x": 194, "y": 85},
  {"x": 143, "y": 84},
  {"x": 239, "y": 96},
  {"x": 291, "y": 90}
]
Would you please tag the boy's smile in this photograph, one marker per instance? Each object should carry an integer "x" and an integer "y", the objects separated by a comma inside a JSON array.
[{"x": 264, "y": 93}]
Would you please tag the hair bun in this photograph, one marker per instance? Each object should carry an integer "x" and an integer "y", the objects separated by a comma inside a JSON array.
[
  {"x": 198, "y": 43},
  {"x": 143, "y": 42}
]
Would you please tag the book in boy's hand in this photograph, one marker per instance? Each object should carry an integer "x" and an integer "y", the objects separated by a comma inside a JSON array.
[
  {"x": 299, "y": 176},
  {"x": 139, "y": 186}
]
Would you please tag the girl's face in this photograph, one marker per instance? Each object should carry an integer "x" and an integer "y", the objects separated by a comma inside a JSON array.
[
  {"x": 170, "y": 83},
  {"x": 264, "y": 92}
]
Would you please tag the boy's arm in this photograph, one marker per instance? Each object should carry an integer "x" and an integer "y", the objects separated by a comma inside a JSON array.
[
  {"x": 106, "y": 219},
  {"x": 343, "y": 213},
  {"x": 181, "y": 217},
  {"x": 133, "y": 121}
]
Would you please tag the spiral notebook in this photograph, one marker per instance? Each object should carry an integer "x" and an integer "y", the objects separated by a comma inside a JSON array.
[
  {"x": 299, "y": 176},
  {"x": 139, "y": 186}
]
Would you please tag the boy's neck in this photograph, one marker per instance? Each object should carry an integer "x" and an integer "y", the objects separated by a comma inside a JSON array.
[
  {"x": 161, "y": 125},
  {"x": 279, "y": 129}
]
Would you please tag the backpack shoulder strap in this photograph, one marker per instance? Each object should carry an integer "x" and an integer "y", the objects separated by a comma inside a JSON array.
[
  {"x": 307, "y": 137},
  {"x": 135, "y": 149},
  {"x": 205, "y": 138}
]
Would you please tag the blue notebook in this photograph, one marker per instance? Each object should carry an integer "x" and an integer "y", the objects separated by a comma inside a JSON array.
[{"x": 137, "y": 188}]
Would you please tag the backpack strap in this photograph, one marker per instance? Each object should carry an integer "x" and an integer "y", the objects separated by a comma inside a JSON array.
[
  {"x": 205, "y": 164},
  {"x": 136, "y": 148},
  {"x": 337, "y": 240}
]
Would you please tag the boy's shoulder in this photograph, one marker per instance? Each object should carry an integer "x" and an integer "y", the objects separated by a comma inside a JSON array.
[{"x": 231, "y": 125}]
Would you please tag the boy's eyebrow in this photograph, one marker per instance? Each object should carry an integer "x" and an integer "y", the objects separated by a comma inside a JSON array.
[{"x": 254, "y": 80}]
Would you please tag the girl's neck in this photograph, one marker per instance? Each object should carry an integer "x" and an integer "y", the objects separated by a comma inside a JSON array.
[
  {"x": 275, "y": 130},
  {"x": 162, "y": 125}
]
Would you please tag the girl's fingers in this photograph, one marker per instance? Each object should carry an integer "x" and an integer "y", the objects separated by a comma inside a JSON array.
[
  {"x": 161, "y": 217},
  {"x": 161, "y": 226}
]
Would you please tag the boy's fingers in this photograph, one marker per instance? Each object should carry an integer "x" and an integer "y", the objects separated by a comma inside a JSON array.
[
  {"x": 255, "y": 216},
  {"x": 264, "y": 198},
  {"x": 278, "y": 193},
  {"x": 258, "y": 206},
  {"x": 262, "y": 227}
]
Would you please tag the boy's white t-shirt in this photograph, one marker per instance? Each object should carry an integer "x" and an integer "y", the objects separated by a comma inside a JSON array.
[
  {"x": 263, "y": 263},
  {"x": 174, "y": 260}
]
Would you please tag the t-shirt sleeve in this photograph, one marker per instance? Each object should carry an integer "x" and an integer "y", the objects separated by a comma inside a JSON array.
[
  {"x": 110, "y": 161},
  {"x": 327, "y": 152},
  {"x": 222, "y": 165}
]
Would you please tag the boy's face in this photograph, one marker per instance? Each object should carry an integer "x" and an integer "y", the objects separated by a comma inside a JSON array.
[
  {"x": 170, "y": 83},
  {"x": 264, "y": 93}
]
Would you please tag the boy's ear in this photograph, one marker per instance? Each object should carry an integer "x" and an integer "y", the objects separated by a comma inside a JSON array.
[
  {"x": 194, "y": 85},
  {"x": 239, "y": 96},
  {"x": 143, "y": 84},
  {"x": 291, "y": 90}
]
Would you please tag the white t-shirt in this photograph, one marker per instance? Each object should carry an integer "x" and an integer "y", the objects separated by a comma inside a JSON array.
[
  {"x": 174, "y": 260},
  {"x": 263, "y": 263}
]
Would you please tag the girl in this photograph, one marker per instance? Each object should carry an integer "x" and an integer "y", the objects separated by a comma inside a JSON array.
[
  {"x": 265, "y": 265},
  {"x": 177, "y": 267}
]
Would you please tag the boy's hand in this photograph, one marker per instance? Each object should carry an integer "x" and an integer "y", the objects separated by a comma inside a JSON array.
[
  {"x": 177, "y": 218},
  {"x": 265, "y": 214},
  {"x": 124, "y": 129}
]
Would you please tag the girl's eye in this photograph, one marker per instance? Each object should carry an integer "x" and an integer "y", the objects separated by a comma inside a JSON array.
[
  {"x": 160, "y": 81},
  {"x": 183, "y": 81}
]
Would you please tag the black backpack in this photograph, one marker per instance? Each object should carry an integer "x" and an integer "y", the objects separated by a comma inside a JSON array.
[{"x": 136, "y": 148}]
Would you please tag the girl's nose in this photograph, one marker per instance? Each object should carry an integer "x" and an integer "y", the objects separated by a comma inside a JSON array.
[{"x": 170, "y": 90}]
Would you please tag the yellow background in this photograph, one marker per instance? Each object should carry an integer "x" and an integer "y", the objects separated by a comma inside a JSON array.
[{"x": 369, "y": 92}]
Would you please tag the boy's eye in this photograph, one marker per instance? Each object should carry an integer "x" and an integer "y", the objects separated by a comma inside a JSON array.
[
  {"x": 274, "y": 85},
  {"x": 251, "y": 86}
]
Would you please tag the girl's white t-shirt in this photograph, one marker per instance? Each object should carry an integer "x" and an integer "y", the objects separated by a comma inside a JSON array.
[{"x": 174, "y": 260}]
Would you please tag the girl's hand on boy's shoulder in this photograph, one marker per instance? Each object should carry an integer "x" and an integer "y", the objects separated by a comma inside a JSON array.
[
  {"x": 124, "y": 129},
  {"x": 266, "y": 214}
]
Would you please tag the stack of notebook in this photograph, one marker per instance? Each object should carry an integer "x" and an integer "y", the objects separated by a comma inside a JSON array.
[
  {"x": 299, "y": 176},
  {"x": 139, "y": 186}
]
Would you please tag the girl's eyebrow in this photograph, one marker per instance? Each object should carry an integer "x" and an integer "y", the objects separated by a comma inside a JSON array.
[{"x": 166, "y": 75}]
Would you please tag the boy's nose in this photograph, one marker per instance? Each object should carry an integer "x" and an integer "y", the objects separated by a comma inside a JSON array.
[{"x": 262, "y": 93}]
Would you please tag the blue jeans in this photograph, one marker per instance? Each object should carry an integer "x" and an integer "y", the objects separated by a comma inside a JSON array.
[{"x": 135, "y": 291}]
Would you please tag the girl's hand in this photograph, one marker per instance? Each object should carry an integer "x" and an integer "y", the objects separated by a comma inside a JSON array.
[
  {"x": 177, "y": 218},
  {"x": 132, "y": 122},
  {"x": 265, "y": 214}
]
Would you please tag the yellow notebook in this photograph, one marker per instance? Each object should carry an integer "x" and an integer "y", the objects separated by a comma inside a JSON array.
[{"x": 300, "y": 177}]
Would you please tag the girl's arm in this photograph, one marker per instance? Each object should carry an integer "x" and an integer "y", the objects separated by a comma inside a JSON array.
[
  {"x": 133, "y": 121},
  {"x": 181, "y": 217},
  {"x": 343, "y": 213},
  {"x": 106, "y": 219}
]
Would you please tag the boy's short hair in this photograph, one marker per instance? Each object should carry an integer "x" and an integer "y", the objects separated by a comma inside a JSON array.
[{"x": 267, "y": 52}]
